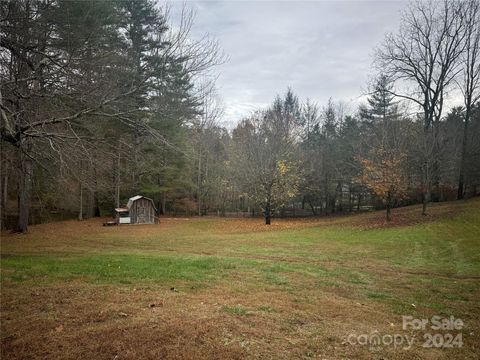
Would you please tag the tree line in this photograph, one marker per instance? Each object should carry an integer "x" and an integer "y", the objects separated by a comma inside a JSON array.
[
  {"x": 101, "y": 101},
  {"x": 96, "y": 98}
]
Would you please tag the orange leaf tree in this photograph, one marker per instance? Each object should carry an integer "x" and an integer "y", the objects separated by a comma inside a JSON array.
[{"x": 384, "y": 174}]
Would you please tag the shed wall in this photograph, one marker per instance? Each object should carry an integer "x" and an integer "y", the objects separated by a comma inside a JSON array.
[{"x": 142, "y": 212}]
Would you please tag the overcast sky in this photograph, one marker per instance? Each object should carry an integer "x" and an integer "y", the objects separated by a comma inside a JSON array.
[{"x": 321, "y": 49}]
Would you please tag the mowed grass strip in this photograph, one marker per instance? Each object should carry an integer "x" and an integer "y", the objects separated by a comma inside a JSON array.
[
  {"x": 138, "y": 269},
  {"x": 122, "y": 269}
]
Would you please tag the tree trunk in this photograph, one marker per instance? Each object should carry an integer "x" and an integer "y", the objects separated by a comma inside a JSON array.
[
  {"x": 24, "y": 188},
  {"x": 268, "y": 219},
  {"x": 268, "y": 215},
  {"x": 389, "y": 208},
  {"x": 435, "y": 194},
  {"x": 339, "y": 190},
  {"x": 96, "y": 205},
  {"x": 199, "y": 180},
  {"x": 3, "y": 189},
  {"x": 461, "y": 179},
  {"x": 425, "y": 181},
  {"x": 117, "y": 178},
  {"x": 136, "y": 160},
  {"x": 80, "y": 207},
  {"x": 96, "y": 209},
  {"x": 425, "y": 170},
  {"x": 4, "y": 200},
  {"x": 425, "y": 200},
  {"x": 222, "y": 208},
  {"x": 350, "y": 198},
  {"x": 164, "y": 204}
]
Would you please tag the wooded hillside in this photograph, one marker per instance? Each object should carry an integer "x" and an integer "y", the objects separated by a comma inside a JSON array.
[{"x": 104, "y": 100}]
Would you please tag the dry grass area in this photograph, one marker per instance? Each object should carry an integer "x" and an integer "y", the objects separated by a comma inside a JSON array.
[{"x": 213, "y": 288}]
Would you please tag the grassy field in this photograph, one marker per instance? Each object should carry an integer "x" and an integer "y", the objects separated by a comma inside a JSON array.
[{"x": 234, "y": 288}]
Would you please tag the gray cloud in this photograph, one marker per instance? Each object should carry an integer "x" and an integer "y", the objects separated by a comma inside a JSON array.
[{"x": 321, "y": 49}]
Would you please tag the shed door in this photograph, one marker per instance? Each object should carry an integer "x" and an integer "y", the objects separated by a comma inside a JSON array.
[{"x": 141, "y": 214}]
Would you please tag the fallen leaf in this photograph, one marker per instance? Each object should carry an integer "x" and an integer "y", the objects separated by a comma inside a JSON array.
[{"x": 59, "y": 328}]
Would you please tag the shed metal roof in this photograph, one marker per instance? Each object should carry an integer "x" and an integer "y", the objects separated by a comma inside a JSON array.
[{"x": 135, "y": 198}]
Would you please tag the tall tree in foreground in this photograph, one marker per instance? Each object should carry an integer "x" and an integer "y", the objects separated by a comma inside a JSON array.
[
  {"x": 470, "y": 78},
  {"x": 425, "y": 53},
  {"x": 79, "y": 76},
  {"x": 44, "y": 101}
]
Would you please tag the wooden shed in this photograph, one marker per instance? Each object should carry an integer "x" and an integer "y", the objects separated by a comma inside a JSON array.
[{"x": 139, "y": 210}]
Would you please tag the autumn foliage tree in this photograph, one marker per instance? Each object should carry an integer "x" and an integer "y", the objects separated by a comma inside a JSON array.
[
  {"x": 263, "y": 159},
  {"x": 383, "y": 173}
]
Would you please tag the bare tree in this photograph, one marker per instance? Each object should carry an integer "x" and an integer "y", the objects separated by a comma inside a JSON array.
[
  {"x": 425, "y": 53},
  {"x": 470, "y": 77},
  {"x": 44, "y": 97},
  {"x": 264, "y": 161},
  {"x": 59, "y": 81},
  {"x": 203, "y": 126}
]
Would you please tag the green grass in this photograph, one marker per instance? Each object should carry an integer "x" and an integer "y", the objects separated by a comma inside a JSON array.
[
  {"x": 370, "y": 264},
  {"x": 266, "y": 309},
  {"x": 296, "y": 289},
  {"x": 237, "y": 310},
  {"x": 123, "y": 269}
]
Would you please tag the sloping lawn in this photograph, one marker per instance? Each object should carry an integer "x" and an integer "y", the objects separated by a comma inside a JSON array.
[{"x": 234, "y": 288}]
